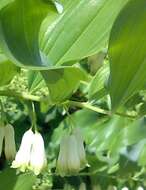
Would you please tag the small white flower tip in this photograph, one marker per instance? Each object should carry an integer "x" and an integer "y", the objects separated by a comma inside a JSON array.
[{"x": 59, "y": 7}]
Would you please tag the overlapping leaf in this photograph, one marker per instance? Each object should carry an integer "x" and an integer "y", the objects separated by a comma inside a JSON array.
[
  {"x": 20, "y": 22},
  {"x": 127, "y": 52},
  {"x": 7, "y": 70},
  {"x": 83, "y": 29},
  {"x": 63, "y": 82}
]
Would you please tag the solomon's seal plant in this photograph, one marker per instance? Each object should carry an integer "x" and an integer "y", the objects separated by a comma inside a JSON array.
[{"x": 72, "y": 94}]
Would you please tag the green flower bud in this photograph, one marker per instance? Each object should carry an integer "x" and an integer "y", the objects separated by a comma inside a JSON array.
[{"x": 10, "y": 147}]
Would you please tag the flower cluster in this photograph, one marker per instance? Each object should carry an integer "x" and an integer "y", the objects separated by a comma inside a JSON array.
[
  {"x": 7, "y": 138},
  {"x": 72, "y": 157},
  {"x": 31, "y": 154}
]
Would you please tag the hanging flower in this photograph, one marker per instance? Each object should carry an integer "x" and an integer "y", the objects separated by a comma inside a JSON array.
[
  {"x": 38, "y": 159},
  {"x": 10, "y": 147},
  {"x": 81, "y": 150},
  {"x": 82, "y": 186},
  {"x": 72, "y": 157},
  {"x": 31, "y": 154},
  {"x": 23, "y": 155},
  {"x": 7, "y": 136}
]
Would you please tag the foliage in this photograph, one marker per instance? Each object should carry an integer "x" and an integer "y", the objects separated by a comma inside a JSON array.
[{"x": 66, "y": 64}]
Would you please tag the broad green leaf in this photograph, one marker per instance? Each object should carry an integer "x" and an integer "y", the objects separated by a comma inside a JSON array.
[
  {"x": 127, "y": 52},
  {"x": 25, "y": 182},
  {"x": 142, "y": 156},
  {"x": 20, "y": 22},
  {"x": 7, "y": 70},
  {"x": 82, "y": 30},
  {"x": 10, "y": 181},
  {"x": 97, "y": 86},
  {"x": 35, "y": 81},
  {"x": 3, "y": 3},
  {"x": 62, "y": 82}
]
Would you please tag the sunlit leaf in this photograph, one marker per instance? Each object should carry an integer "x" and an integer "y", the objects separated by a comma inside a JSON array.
[
  {"x": 82, "y": 30},
  {"x": 127, "y": 52}
]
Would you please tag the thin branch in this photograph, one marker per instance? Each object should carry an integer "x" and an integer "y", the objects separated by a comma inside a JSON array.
[
  {"x": 24, "y": 96},
  {"x": 97, "y": 109}
]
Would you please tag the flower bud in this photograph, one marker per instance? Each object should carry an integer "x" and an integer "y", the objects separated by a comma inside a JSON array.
[
  {"x": 23, "y": 155},
  {"x": 38, "y": 159},
  {"x": 10, "y": 147}
]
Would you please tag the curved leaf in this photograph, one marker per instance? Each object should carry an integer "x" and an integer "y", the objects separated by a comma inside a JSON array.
[
  {"x": 82, "y": 30},
  {"x": 127, "y": 52},
  {"x": 62, "y": 82},
  {"x": 20, "y": 22},
  {"x": 7, "y": 70},
  {"x": 97, "y": 86}
]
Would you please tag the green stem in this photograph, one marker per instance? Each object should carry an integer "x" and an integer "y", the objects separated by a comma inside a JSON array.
[
  {"x": 11, "y": 93},
  {"x": 97, "y": 109},
  {"x": 26, "y": 96},
  {"x": 3, "y": 115},
  {"x": 34, "y": 118}
]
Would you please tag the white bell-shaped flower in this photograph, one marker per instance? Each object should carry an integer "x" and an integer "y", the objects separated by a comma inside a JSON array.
[
  {"x": 38, "y": 159},
  {"x": 10, "y": 147},
  {"x": 80, "y": 145},
  {"x": 62, "y": 167},
  {"x": 23, "y": 155},
  {"x": 31, "y": 154},
  {"x": 82, "y": 186},
  {"x": 2, "y": 134},
  {"x": 73, "y": 160},
  {"x": 72, "y": 157}
]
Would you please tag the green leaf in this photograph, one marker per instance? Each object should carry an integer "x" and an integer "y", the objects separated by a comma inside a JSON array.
[
  {"x": 62, "y": 82},
  {"x": 127, "y": 53},
  {"x": 142, "y": 156},
  {"x": 4, "y": 3},
  {"x": 20, "y": 23},
  {"x": 35, "y": 81},
  {"x": 10, "y": 181},
  {"x": 97, "y": 86},
  {"x": 82, "y": 30},
  {"x": 7, "y": 70}
]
